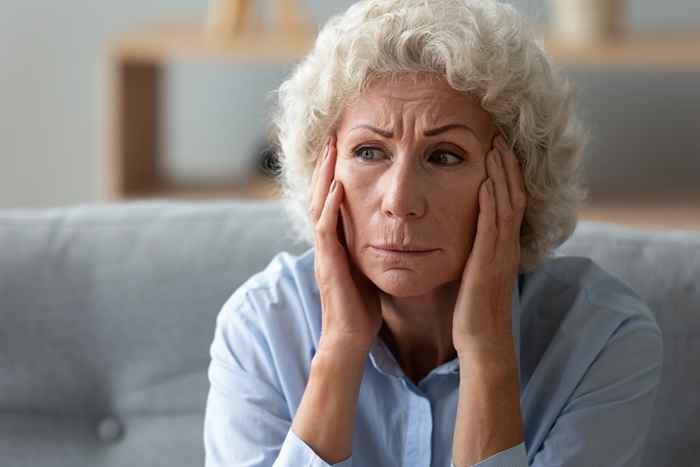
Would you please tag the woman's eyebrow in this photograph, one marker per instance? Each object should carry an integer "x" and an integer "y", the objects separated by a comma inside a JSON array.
[
  {"x": 379, "y": 131},
  {"x": 432, "y": 132}
]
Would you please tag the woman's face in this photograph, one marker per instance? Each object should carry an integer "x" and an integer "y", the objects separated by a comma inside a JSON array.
[{"x": 409, "y": 185}]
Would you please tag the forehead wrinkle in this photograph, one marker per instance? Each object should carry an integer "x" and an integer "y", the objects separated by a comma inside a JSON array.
[
  {"x": 394, "y": 120},
  {"x": 431, "y": 110},
  {"x": 381, "y": 109}
]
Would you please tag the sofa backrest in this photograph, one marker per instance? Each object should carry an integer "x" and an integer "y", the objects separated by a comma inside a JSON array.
[
  {"x": 108, "y": 311},
  {"x": 107, "y": 315}
]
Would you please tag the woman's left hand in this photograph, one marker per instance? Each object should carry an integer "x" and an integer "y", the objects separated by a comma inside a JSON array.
[{"x": 482, "y": 321}]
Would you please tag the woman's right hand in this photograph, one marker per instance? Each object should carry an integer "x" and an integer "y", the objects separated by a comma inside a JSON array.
[{"x": 351, "y": 311}]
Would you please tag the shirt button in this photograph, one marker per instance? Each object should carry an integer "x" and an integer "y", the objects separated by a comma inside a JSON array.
[{"x": 109, "y": 429}]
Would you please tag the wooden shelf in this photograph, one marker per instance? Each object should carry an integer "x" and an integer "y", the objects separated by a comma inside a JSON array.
[
  {"x": 258, "y": 187},
  {"x": 645, "y": 210},
  {"x": 658, "y": 50},
  {"x": 185, "y": 40},
  {"x": 137, "y": 62}
]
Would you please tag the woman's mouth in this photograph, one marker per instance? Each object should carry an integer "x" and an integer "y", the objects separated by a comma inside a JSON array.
[{"x": 402, "y": 251}]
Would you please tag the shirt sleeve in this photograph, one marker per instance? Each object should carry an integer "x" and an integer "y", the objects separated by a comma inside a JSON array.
[
  {"x": 607, "y": 419},
  {"x": 247, "y": 420},
  {"x": 511, "y": 457}
]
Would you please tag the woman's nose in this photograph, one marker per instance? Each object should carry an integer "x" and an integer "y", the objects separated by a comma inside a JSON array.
[{"x": 402, "y": 191}]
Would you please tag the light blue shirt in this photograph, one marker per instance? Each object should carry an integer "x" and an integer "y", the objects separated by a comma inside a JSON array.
[{"x": 589, "y": 354}]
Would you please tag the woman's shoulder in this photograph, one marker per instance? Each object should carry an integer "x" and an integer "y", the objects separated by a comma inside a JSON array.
[
  {"x": 286, "y": 282},
  {"x": 588, "y": 284},
  {"x": 267, "y": 326},
  {"x": 572, "y": 305},
  {"x": 589, "y": 342},
  {"x": 280, "y": 304}
]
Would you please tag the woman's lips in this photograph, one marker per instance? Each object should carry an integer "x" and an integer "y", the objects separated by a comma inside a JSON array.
[{"x": 399, "y": 253}]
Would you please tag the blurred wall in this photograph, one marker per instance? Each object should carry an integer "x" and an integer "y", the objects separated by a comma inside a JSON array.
[{"x": 53, "y": 108}]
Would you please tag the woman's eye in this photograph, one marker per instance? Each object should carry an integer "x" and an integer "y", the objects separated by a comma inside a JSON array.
[
  {"x": 444, "y": 158},
  {"x": 365, "y": 153}
]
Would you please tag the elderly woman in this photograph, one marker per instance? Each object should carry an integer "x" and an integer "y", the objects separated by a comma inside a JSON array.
[{"x": 430, "y": 153}]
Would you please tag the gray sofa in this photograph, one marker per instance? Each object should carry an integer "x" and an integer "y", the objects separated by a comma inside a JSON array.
[{"x": 107, "y": 312}]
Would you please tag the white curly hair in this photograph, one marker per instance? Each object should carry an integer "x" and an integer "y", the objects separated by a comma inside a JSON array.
[{"x": 482, "y": 47}]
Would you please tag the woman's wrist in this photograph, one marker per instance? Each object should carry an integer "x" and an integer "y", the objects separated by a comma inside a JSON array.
[
  {"x": 326, "y": 414},
  {"x": 495, "y": 365},
  {"x": 339, "y": 370},
  {"x": 343, "y": 348}
]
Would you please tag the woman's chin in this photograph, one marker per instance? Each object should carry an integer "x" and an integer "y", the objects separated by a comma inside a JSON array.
[{"x": 402, "y": 283}]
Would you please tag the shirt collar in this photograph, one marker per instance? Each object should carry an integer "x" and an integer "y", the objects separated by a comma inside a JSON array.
[{"x": 385, "y": 362}]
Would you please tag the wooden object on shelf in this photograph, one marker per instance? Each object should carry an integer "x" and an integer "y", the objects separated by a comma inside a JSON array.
[
  {"x": 288, "y": 15},
  {"x": 586, "y": 21},
  {"x": 226, "y": 18}
]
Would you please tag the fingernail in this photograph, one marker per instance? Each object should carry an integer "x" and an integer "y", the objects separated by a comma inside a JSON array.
[{"x": 333, "y": 185}]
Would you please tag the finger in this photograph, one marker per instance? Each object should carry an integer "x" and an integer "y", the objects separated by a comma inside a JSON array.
[
  {"x": 314, "y": 205},
  {"x": 486, "y": 233},
  {"x": 504, "y": 210},
  {"x": 327, "y": 225},
  {"x": 516, "y": 181},
  {"x": 319, "y": 182},
  {"x": 325, "y": 170}
]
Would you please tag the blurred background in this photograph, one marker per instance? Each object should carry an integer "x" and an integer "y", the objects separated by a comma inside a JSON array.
[{"x": 105, "y": 101}]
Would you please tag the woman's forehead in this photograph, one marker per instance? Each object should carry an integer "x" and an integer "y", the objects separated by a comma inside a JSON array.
[{"x": 430, "y": 103}]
